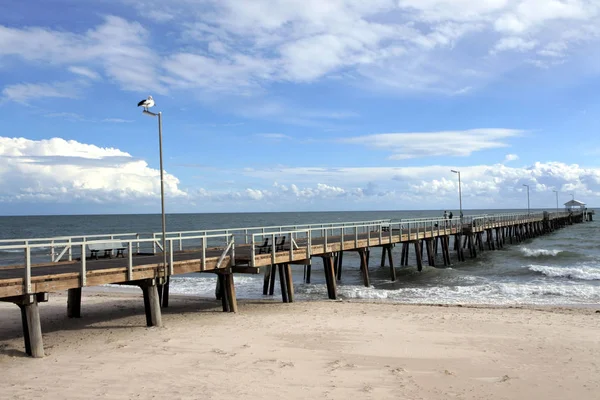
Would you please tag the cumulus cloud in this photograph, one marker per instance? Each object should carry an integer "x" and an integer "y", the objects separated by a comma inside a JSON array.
[
  {"x": 445, "y": 143},
  {"x": 58, "y": 170}
]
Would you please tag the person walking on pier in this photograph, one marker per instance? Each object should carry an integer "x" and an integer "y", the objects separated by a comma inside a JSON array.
[
  {"x": 450, "y": 215},
  {"x": 445, "y": 214}
]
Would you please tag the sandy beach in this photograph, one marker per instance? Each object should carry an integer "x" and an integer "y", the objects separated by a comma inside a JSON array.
[{"x": 331, "y": 350}]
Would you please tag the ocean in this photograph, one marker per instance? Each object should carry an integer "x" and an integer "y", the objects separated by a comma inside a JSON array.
[{"x": 561, "y": 268}]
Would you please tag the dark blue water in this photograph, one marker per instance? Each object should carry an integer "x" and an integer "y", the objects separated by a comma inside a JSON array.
[{"x": 559, "y": 268}]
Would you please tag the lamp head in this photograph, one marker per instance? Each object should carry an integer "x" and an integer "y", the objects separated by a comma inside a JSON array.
[{"x": 456, "y": 172}]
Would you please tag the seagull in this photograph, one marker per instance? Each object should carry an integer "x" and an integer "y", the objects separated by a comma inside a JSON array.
[{"x": 147, "y": 103}]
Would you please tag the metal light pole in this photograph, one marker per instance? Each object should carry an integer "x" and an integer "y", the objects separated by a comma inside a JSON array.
[
  {"x": 556, "y": 191},
  {"x": 162, "y": 188},
  {"x": 572, "y": 196},
  {"x": 527, "y": 198},
  {"x": 459, "y": 192}
]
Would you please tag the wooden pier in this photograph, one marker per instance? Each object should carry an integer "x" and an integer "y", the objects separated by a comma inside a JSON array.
[{"x": 248, "y": 250}]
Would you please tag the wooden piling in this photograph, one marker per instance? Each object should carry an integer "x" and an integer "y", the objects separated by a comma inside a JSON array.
[
  {"x": 283, "y": 283},
  {"x": 418, "y": 254},
  {"x": 267, "y": 280},
  {"x": 32, "y": 327},
  {"x": 230, "y": 292},
  {"x": 330, "y": 277},
  {"x": 74, "y": 303},
  {"x": 289, "y": 282},
  {"x": 339, "y": 265},
  {"x": 272, "y": 280},
  {"x": 364, "y": 266},
  {"x": 152, "y": 303},
  {"x": 391, "y": 262}
]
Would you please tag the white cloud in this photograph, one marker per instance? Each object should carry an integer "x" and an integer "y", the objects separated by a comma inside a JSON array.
[
  {"x": 511, "y": 157},
  {"x": 57, "y": 170},
  {"x": 118, "y": 46},
  {"x": 239, "y": 48},
  {"x": 445, "y": 143},
  {"x": 514, "y": 43},
  {"x": 24, "y": 92},
  {"x": 83, "y": 71}
]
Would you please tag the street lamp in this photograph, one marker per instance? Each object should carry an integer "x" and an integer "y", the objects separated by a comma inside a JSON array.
[
  {"x": 459, "y": 192},
  {"x": 146, "y": 104},
  {"x": 527, "y": 198},
  {"x": 572, "y": 196},
  {"x": 556, "y": 191}
]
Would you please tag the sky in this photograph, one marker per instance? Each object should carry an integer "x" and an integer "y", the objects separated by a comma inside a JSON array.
[{"x": 298, "y": 105}]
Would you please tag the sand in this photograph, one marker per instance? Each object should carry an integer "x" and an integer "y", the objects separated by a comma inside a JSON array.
[{"x": 325, "y": 350}]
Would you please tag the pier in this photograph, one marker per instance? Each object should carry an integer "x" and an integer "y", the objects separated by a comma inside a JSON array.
[{"x": 71, "y": 263}]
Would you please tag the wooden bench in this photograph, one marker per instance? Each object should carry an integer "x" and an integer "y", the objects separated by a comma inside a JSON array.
[{"x": 107, "y": 248}]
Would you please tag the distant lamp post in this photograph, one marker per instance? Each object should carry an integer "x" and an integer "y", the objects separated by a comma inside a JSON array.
[
  {"x": 556, "y": 191},
  {"x": 527, "y": 198},
  {"x": 459, "y": 192},
  {"x": 572, "y": 196},
  {"x": 147, "y": 103}
]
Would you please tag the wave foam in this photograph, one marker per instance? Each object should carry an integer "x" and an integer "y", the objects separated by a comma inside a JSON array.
[
  {"x": 527, "y": 252},
  {"x": 581, "y": 272}
]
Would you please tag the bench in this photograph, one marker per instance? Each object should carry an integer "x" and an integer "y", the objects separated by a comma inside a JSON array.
[
  {"x": 107, "y": 248},
  {"x": 264, "y": 248}
]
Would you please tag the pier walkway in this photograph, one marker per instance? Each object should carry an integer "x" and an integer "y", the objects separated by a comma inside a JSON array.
[{"x": 66, "y": 263}]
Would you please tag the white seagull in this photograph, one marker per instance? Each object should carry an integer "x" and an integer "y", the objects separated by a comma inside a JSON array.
[{"x": 147, "y": 103}]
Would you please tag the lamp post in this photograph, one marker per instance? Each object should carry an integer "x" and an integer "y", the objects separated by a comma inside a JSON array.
[
  {"x": 572, "y": 196},
  {"x": 459, "y": 192},
  {"x": 556, "y": 191},
  {"x": 162, "y": 187},
  {"x": 527, "y": 198}
]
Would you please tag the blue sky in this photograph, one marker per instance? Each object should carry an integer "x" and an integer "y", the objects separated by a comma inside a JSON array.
[{"x": 276, "y": 105}]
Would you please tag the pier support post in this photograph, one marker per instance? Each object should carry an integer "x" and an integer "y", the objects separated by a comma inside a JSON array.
[
  {"x": 229, "y": 287},
  {"x": 272, "y": 279},
  {"x": 151, "y": 303},
  {"x": 165, "y": 293},
  {"x": 266, "y": 280},
  {"x": 329, "y": 270},
  {"x": 419, "y": 256},
  {"x": 391, "y": 262},
  {"x": 364, "y": 266},
  {"x": 30, "y": 320},
  {"x": 74, "y": 303},
  {"x": 289, "y": 282},
  {"x": 283, "y": 283},
  {"x": 340, "y": 258},
  {"x": 32, "y": 329}
]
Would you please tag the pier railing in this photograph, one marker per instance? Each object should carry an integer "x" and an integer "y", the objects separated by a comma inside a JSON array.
[
  {"x": 200, "y": 242},
  {"x": 60, "y": 248},
  {"x": 371, "y": 234}
]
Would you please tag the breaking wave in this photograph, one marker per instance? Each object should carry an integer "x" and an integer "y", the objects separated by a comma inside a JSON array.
[
  {"x": 583, "y": 272},
  {"x": 527, "y": 252}
]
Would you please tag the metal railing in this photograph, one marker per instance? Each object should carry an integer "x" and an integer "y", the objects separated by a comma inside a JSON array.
[
  {"x": 201, "y": 241},
  {"x": 374, "y": 234},
  {"x": 59, "y": 247}
]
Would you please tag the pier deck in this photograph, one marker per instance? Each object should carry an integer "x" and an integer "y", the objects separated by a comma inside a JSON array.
[{"x": 28, "y": 283}]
